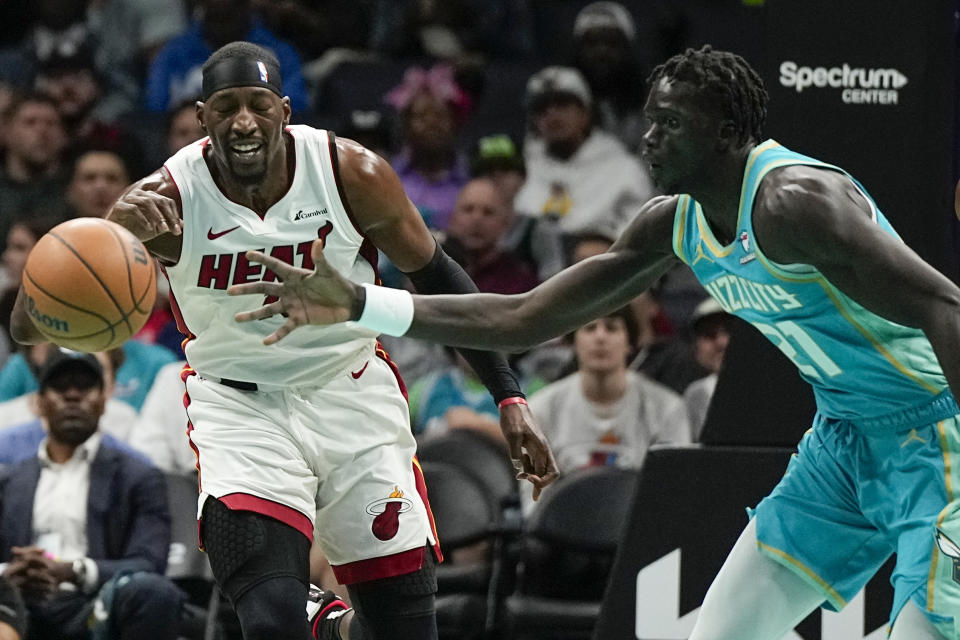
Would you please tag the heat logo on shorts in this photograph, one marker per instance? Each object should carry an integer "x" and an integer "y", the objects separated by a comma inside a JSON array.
[{"x": 386, "y": 514}]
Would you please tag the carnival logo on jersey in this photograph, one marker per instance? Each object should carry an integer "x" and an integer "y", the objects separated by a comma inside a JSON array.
[
  {"x": 950, "y": 549},
  {"x": 860, "y": 85},
  {"x": 745, "y": 243},
  {"x": 386, "y": 514},
  {"x": 306, "y": 215},
  {"x": 264, "y": 77}
]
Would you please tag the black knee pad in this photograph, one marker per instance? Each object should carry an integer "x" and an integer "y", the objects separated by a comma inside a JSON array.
[
  {"x": 245, "y": 548},
  {"x": 410, "y": 594}
]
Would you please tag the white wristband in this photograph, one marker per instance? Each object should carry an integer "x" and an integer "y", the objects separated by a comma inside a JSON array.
[{"x": 386, "y": 310}]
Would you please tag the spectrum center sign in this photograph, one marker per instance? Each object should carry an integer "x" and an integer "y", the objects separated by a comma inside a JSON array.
[{"x": 859, "y": 85}]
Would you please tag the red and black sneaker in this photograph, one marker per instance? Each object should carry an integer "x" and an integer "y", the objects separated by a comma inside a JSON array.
[{"x": 325, "y": 611}]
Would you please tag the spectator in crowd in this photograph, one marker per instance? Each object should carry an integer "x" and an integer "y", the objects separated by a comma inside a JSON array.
[
  {"x": 432, "y": 107},
  {"x": 183, "y": 127},
  {"x": 75, "y": 85},
  {"x": 97, "y": 521},
  {"x": 99, "y": 177},
  {"x": 141, "y": 362},
  {"x": 33, "y": 179},
  {"x": 451, "y": 29},
  {"x": 161, "y": 429},
  {"x": 314, "y": 27},
  {"x": 128, "y": 36},
  {"x": 13, "y": 613},
  {"x": 496, "y": 157},
  {"x": 605, "y": 414},
  {"x": 479, "y": 224},
  {"x": 54, "y": 27},
  {"x": 605, "y": 52},
  {"x": 710, "y": 326},
  {"x": 661, "y": 354},
  {"x": 20, "y": 240},
  {"x": 453, "y": 397},
  {"x": 175, "y": 73},
  {"x": 371, "y": 128},
  {"x": 579, "y": 175},
  {"x": 554, "y": 358},
  {"x": 22, "y": 428}
]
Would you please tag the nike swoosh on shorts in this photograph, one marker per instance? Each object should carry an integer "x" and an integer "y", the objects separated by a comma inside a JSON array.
[{"x": 356, "y": 374}]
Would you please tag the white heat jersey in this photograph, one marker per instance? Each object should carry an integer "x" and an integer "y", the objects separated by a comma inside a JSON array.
[{"x": 216, "y": 234}]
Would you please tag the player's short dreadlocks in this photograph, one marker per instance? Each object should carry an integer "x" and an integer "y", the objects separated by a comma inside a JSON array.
[{"x": 727, "y": 81}]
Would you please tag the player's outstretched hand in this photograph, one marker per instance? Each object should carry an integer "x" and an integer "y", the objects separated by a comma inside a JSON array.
[
  {"x": 529, "y": 450},
  {"x": 321, "y": 296},
  {"x": 146, "y": 213}
]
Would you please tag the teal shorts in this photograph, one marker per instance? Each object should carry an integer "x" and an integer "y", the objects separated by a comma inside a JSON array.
[{"x": 858, "y": 491}]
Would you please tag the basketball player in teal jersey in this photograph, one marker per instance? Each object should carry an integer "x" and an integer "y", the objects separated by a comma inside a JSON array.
[{"x": 799, "y": 249}]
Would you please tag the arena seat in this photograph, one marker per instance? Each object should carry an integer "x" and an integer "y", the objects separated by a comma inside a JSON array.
[
  {"x": 187, "y": 566},
  {"x": 479, "y": 455},
  {"x": 467, "y": 519},
  {"x": 568, "y": 549}
]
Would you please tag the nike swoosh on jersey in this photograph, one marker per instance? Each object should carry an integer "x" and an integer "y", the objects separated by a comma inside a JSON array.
[
  {"x": 356, "y": 374},
  {"x": 213, "y": 236}
]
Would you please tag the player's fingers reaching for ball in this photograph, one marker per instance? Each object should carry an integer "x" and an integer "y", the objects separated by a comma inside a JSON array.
[
  {"x": 266, "y": 311},
  {"x": 282, "y": 332},
  {"x": 262, "y": 287},
  {"x": 279, "y": 267}
]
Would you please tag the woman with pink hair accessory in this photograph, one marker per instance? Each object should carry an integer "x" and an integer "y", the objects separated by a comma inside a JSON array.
[{"x": 432, "y": 108}]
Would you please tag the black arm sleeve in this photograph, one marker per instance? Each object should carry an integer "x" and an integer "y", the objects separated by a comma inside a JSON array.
[{"x": 443, "y": 275}]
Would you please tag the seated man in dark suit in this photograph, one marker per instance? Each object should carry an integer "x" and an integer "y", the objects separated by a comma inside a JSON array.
[{"x": 82, "y": 523}]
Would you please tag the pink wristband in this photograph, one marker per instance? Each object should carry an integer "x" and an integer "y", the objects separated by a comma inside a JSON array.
[{"x": 514, "y": 400}]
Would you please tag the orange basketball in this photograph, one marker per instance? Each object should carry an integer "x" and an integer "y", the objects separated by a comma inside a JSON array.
[{"x": 89, "y": 284}]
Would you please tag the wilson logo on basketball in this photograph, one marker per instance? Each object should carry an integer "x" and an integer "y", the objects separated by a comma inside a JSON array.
[
  {"x": 46, "y": 320},
  {"x": 386, "y": 514}
]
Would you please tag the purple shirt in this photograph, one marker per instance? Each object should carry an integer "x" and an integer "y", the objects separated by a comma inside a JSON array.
[{"x": 434, "y": 198}]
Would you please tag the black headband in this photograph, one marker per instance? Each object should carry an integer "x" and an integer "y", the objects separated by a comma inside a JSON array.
[{"x": 241, "y": 72}]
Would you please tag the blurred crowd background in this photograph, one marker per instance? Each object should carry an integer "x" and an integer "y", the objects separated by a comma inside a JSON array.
[{"x": 515, "y": 127}]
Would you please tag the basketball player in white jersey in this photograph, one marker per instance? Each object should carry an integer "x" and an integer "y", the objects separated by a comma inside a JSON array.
[{"x": 312, "y": 438}]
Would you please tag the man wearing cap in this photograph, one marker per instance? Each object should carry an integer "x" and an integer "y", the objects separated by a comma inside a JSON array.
[
  {"x": 313, "y": 440},
  {"x": 606, "y": 53},
  {"x": 82, "y": 518},
  {"x": 710, "y": 327},
  {"x": 582, "y": 176}
]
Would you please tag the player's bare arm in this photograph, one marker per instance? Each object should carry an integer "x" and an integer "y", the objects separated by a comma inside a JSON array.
[
  {"x": 813, "y": 216},
  {"x": 150, "y": 208},
  {"x": 567, "y": 301}
]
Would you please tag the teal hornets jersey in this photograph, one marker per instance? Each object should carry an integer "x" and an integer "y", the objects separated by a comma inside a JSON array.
[{"x": 859, "y": 364}]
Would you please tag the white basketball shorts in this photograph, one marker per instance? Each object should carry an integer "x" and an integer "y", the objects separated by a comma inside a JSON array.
[{"x": 336, "y": 462}]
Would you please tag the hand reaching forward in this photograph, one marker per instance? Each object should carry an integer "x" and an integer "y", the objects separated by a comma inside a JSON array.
[
  {"x": 529, "y": 451},
  {"x": 321, "y": 296}
]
